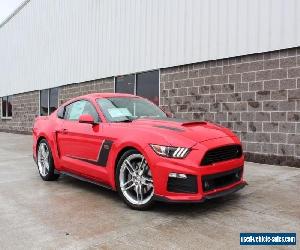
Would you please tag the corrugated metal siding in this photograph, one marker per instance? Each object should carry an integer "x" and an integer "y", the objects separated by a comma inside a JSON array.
[{"x": 56, "y": 42}]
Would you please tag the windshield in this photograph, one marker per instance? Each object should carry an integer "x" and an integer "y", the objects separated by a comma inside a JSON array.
[{"x": 124, "y": 109}]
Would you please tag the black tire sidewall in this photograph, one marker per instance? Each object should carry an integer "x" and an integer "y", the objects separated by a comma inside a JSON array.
[
  {"x": 146, "y": 206},
  {"x": 51, "y": 175}
]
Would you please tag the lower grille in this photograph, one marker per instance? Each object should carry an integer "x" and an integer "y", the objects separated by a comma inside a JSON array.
[
  {"x": 180, "y": 185},
  {"x": 222, "y": 154},
  {"x": 214, "y": 181}
]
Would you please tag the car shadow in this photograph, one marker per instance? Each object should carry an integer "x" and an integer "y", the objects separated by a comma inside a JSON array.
[
  {"x": 176, "y": 209},
  {"x": 191, "y": 209},
  {"x": 68, "y": 181}
]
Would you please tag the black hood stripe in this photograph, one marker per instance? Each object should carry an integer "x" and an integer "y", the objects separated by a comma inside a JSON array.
[{"x": 169, "y": 119}]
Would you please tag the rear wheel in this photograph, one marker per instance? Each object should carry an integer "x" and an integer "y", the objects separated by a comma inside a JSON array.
[
  {"x": 45, "y": 162},
  {"x": 134, "y": 180}
]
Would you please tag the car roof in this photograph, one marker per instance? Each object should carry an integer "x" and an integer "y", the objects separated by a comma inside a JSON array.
[
  {"x": 94, "y": 96},
  {"x": 106, "y": 95}
]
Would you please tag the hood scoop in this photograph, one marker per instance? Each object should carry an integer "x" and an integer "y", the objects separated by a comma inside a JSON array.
[{"x": 192, "y": 124}]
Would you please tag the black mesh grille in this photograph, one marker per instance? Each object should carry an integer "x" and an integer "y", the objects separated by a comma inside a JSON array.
[
  {"x": 214, "y": 181},
  {"x": 222, "y": 154}
]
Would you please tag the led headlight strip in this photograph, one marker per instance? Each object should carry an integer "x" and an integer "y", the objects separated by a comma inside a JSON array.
[
  {"x": 167, "y": 151},
  {"x": 180, "y": 152}
]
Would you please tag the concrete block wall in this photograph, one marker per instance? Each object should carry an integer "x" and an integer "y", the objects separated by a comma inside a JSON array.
[
  {"x": 68, "y": 92},
  {"x": 257, "y": 96},
  {"x": 25, "y": 109},
  {"x": 26, "y": 105}
]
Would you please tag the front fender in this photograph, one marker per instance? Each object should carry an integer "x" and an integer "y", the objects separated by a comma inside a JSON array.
[
  {"x": 50, "y": 138},
  {"x": 116, "y": 152}
]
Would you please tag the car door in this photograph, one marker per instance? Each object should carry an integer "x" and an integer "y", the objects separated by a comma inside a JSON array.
[{"x": 80, "y": 143}]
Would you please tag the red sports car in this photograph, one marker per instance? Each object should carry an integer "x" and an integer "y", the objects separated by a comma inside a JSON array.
[{"x": 126, "y": 143}]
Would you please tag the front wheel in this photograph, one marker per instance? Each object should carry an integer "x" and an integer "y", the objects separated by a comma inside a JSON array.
[
  {"x": 134, "y": 180},
  {"x": 45, "y": 162}
]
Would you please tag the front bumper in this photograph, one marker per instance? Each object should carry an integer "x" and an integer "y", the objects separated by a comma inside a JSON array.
[
  {"x": 220, "y": 179},
  {"x": 196, "y": 190}
]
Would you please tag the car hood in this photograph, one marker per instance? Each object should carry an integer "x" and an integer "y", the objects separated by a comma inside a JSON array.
[{"x": 179, "y": 132}]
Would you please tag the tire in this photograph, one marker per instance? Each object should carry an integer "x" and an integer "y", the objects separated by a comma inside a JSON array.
[
  {"x": 45, "y": 162},
  {"x": 134, "y": 181}
]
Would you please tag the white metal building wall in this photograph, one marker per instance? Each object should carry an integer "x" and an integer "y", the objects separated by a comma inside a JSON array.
[{"x": 55, "y": 42}]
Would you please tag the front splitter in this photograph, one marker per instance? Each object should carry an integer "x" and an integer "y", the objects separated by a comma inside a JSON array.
[{"x": 206, "y": 197}]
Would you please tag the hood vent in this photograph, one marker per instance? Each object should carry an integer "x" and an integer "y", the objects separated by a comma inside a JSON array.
[
  {"x": 169, "y": 128},
  {"x": 191, "y": 124}
]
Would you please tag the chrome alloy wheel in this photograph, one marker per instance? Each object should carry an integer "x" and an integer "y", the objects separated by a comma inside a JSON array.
[
  {"x": 43, "y": 159},
  {"x": 136, "y": 180}
]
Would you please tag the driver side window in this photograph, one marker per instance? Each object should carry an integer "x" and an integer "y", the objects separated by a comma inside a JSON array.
[{"x": 74, "y": 110}]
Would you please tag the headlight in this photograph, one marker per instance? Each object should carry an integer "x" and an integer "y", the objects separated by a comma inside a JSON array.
[{"x": 172, "y": 152}]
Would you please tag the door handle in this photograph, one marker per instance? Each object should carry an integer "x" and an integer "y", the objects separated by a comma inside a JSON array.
[{"x": 63, "y": 131}]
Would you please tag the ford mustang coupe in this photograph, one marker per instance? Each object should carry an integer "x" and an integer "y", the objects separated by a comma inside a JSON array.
[{"x": 126, "y": 143}]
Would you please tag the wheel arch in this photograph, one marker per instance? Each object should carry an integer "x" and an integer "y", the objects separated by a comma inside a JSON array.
[
  {"x": 40, "y": 138},
  {"x": 44, "y": 137},
  {"x": 120, "y": 153},
  {"x": 123, "y": 149},
  {"x": 51, "y": 145},
  {"x": 36, "y": 145}
]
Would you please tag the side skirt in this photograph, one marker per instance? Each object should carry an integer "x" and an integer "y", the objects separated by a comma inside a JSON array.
[{"x": 86, "y": 180}]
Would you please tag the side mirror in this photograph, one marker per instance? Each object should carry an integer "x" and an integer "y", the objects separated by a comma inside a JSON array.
[{"x": 87, "y": 119}]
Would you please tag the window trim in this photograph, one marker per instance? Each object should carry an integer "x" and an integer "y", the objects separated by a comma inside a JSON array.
[
  {"x": 58, "y": 89},
  {"x": 159, "y": 88},
  {"x": 40, "y": 99},
  {"x": 48, "y": 101},
  {"x": 82, "y": 99},
  {"x": 6, "y": 117},
  {"x": 135, "y": 85}
]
